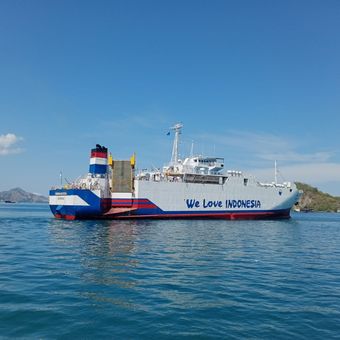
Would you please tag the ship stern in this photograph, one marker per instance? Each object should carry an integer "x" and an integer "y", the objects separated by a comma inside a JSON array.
[{"x": 71, "y": 204}]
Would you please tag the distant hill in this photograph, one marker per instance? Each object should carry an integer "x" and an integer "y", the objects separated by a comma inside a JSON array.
[
  {"x": 315, "y": 200},
  {"x": 20, "y": 195}
]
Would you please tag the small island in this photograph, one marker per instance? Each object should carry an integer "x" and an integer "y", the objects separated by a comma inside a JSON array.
[{"x": 315, "y": 200}]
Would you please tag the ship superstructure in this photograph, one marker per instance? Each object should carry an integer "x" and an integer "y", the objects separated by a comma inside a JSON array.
[{"x": 193, "y": 187}]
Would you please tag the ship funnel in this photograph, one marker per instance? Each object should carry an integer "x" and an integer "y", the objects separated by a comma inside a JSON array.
[{"x": 98, "y": 161}]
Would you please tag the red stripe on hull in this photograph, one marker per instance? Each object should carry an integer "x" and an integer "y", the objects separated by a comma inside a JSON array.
[
  {"x": 135, "y": 206},
  {"x": 145, "y": 206},
  {"x": 129, "y": 200},
  {"x": 134, "y": 203}
]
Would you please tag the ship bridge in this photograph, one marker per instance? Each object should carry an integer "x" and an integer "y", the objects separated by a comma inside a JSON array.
[{"x": 204, "y": 165}]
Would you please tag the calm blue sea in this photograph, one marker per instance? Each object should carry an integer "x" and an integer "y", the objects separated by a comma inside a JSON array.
[{"x": 168, "y": 279}]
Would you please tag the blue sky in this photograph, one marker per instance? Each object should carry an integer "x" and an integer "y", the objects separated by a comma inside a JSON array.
[{"x": 251, "y": 80}]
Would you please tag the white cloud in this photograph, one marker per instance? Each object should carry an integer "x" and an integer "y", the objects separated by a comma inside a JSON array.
[
  {"x": 8, "y": 144},
  {"x": 267, "y": 147},
  {"x": 259, "y": 150},
  {"x": 293, "y": 156},
  {"x": 312, "y": 173},
  {"x": 248, "y": 140}
]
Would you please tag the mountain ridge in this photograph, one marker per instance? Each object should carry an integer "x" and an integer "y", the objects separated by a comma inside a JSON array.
[{"x": 20, "y": 195}]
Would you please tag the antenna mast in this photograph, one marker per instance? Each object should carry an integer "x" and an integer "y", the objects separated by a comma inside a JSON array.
[
  {"x": 174, "y": 157},
  {"x": 192, "y": 149},
  {"x": 275, "y": 169}
]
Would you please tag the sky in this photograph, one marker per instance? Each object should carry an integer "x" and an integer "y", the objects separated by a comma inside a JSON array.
[{"x": 252, "y": 81}]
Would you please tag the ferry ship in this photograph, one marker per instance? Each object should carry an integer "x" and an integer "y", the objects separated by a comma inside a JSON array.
[{"x": 194, "y": 187}]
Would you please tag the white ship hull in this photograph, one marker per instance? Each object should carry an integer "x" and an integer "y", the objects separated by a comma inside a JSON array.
[{"x": 232, "y": 200}]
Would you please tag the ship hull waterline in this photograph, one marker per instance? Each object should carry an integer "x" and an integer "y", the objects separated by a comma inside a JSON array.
[{"x": 205, "y": 216}]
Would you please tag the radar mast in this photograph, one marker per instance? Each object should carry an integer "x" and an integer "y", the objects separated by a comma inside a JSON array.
[{"x": 174, "y": 157}]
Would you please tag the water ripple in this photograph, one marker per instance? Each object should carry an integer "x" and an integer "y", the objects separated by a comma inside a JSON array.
[{"x": 166, "y": 279}]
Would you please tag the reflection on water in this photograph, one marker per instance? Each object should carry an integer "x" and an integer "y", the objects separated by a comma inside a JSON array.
[
  {"x": 104, "y": 250},
  {"x": 127, "y": 279}
]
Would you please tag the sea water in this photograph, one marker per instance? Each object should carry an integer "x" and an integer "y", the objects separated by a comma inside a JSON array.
[{"x": 168, "y": 278}]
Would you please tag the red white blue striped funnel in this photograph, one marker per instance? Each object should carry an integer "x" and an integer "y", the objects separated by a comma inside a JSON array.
[{"x": 98, "y": 160}]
